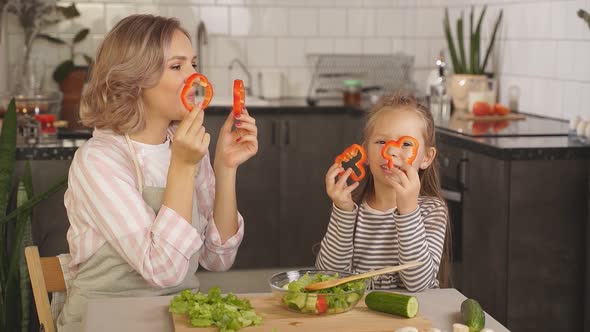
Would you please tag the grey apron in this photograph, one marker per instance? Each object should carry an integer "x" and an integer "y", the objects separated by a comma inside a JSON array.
[{"x": 107, "y": 274}]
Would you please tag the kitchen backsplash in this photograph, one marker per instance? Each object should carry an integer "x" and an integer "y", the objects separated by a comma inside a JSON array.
[{"x": 544, "y": 48}]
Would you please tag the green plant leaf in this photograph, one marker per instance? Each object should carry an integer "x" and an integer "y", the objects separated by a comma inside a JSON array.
[
  {"x": 88, "y": 60},
  {"x": 460, "y": 41},
  {"x": 585, "y": 16},
  {"x": 27, "y": 240},
  {"x": 57, "y": 186},
  {"x": 477, "y": 38},
  {"x": 491, "y": 45},
  {"x": 7, "y": 160},
  {"x": 471, "y": 43},
  {"x": 450, "y": 43},
  {"x": 63, "y": 70},
  {"x": 81, "y": 35},
  {"x": 51, "y": 39},
  {"x": 68, "y": 12},
  {"x": 12, "y": 288}
]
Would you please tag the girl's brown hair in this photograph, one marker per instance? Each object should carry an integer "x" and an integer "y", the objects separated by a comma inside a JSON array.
[
  {"x": 131, "y": 58},
  {"x": 429, "y": 179}
]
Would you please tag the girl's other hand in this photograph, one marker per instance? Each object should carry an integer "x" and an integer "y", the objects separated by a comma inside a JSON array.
[
  {"x": 338, "y": 190},
  {"x": 234, "y": 147},
  {"x": 191, "y": 141},
  {"x": 406, "y": 183}
]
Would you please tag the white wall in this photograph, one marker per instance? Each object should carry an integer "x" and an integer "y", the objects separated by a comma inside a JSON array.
[{"x": 544, "y": 46}]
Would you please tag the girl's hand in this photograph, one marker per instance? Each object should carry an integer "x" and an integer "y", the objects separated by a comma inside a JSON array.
[
  {"x": 237, "y": 146},
  {"x": 339, "y": 192},
  {"x": 191, "y": 141},
  {"x": 406, "y": 183}
]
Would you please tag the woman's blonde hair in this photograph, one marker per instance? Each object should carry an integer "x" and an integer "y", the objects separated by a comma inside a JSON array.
[
  {"x": 429, "y": 178},
  {"x": 131, "y": 58}
]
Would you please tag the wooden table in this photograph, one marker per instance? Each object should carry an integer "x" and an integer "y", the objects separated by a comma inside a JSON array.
[{"x": 147, "y": 314}]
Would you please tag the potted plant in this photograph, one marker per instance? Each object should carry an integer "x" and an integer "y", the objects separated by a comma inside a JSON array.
[
  {"x": 33, "y": 16},
  {"x": 15, "y": 229},
  {"x": 469, "y": 70},
  {"x": 71, "y": 77}
]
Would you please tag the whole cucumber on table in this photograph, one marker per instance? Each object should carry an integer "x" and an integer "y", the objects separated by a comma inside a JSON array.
[
  {"x": 392, "y": 303},
  {"x": 473, "y": 315}
]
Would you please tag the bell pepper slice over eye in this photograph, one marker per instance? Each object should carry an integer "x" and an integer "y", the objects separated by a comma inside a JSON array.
[
  {"x": 188, "y": 101},
  {"x": 350, "y": 153},
  {"x": 400, "y": 145},
  {"x": 239, "y": 97}
]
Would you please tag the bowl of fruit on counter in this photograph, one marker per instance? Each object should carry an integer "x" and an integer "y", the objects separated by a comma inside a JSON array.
[{"x": 289, "y": 289}]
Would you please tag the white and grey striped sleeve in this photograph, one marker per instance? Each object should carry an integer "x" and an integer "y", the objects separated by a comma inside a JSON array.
[
  {"x": 421, "y": 238},
  {"x": 337, "y": 245}
]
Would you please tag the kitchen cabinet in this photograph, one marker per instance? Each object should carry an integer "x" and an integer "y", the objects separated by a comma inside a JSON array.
[
  {"x": 281, "y": 191},
  {"x": 524, "y": 236}
]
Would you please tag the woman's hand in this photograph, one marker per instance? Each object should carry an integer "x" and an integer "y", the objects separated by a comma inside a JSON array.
[
  {"x": 406, "y": 183},
  {"x": 191, "y": 141},
  {"x": 339, "y": 192},
  {"x": 234, "y": 147}
]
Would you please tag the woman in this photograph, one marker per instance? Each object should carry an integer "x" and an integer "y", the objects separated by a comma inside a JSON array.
[{"x": 144, "y": 204}]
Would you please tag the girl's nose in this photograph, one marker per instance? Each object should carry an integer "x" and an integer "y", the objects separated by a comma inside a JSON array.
[{"x": 393, "y": 151}]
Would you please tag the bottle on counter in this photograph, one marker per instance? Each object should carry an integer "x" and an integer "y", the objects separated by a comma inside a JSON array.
[
  {"x": 440, "y": 100},
  {"x": 352, "y": 92}
]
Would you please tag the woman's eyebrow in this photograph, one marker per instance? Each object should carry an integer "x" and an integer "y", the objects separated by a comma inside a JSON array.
[{"x": 181, "y": 57}]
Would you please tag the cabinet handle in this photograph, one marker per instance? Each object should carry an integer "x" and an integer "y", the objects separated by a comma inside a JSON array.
[
  {"x": 462, "y": 174},
  {"x": 287, "y": 132},
  {"x": 273, "y": 135}
]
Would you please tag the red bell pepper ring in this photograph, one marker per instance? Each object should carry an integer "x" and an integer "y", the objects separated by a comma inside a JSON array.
[
  {"x": 188, "y": 86},
  {"x": 321, "y": 304},
  {"x": 239, "y": 97},
  {"x": 398, "y": 144},
  {"x": 348, "y": 154}
]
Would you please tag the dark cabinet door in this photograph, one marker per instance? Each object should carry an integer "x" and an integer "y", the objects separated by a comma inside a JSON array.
[
  {"x": 257, "y": 191},
  {"x": 309, "y": 142}
]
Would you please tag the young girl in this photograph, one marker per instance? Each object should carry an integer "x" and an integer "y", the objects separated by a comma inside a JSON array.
[
  {"x": 398, "y": 215},
  {"x": 144, "y": 204}
]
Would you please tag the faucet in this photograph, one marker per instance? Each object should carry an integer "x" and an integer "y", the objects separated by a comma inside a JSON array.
[
  {"x": 248, "y": 87},
  {"x": 201, "y": 40}
]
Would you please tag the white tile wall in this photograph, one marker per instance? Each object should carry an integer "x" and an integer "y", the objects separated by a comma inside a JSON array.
[{"x": 543, "y": 47}]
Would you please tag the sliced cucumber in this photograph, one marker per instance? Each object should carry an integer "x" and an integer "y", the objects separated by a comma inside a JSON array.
[
  {"x": 310, "y": 304},
  {"x": 352, "y": 298},
  {"x": 392, "y": 303}
]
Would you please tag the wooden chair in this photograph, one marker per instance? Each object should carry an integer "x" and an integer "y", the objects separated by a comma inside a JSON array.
[{"x": 46, "y": 276}]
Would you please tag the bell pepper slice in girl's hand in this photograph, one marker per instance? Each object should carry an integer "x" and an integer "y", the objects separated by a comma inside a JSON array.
[
  {"x": 400, "y": 144},
  {"x": 348, "y": 154},
  {"x": 188, "y": 101},
  {"x": 239, "y": 97}
]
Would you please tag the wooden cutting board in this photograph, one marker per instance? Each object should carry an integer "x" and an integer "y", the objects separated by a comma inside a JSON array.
[
  {"x": 491, "y": 118},
  {"x": 359, "y": 319}
]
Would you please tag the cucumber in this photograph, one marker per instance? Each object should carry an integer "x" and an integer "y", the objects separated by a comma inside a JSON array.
[
  {"x": 299, "y": 301},
  {"x": 352, "y": 298},
  {"x": 473, "y": 315},
  {"x": 392, "y": 303},
  {"x": 310, "y": 304}
]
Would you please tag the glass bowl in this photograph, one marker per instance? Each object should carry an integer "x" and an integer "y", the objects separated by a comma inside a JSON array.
[{"x": 323, "y": 302}]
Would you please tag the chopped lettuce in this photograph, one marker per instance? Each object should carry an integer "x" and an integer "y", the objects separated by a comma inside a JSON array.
[{"x": 228, "y": 313}]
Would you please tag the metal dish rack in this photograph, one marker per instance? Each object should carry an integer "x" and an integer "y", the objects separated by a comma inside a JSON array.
[{"x": 388, "y": 72}]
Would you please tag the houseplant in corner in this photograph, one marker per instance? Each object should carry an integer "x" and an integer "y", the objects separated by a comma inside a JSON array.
[
  {"x": 15, "y": 229},
  {"x": 469, "y": 70},
  {"x": 33, "y": 16},
  {"x": 71, "y": 77}
]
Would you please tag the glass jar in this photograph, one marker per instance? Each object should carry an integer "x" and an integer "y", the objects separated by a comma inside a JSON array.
[{"x": 352, "y": 92}]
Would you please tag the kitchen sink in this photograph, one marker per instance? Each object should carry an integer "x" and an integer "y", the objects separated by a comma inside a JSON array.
[{"x": 228, "y": 101}]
